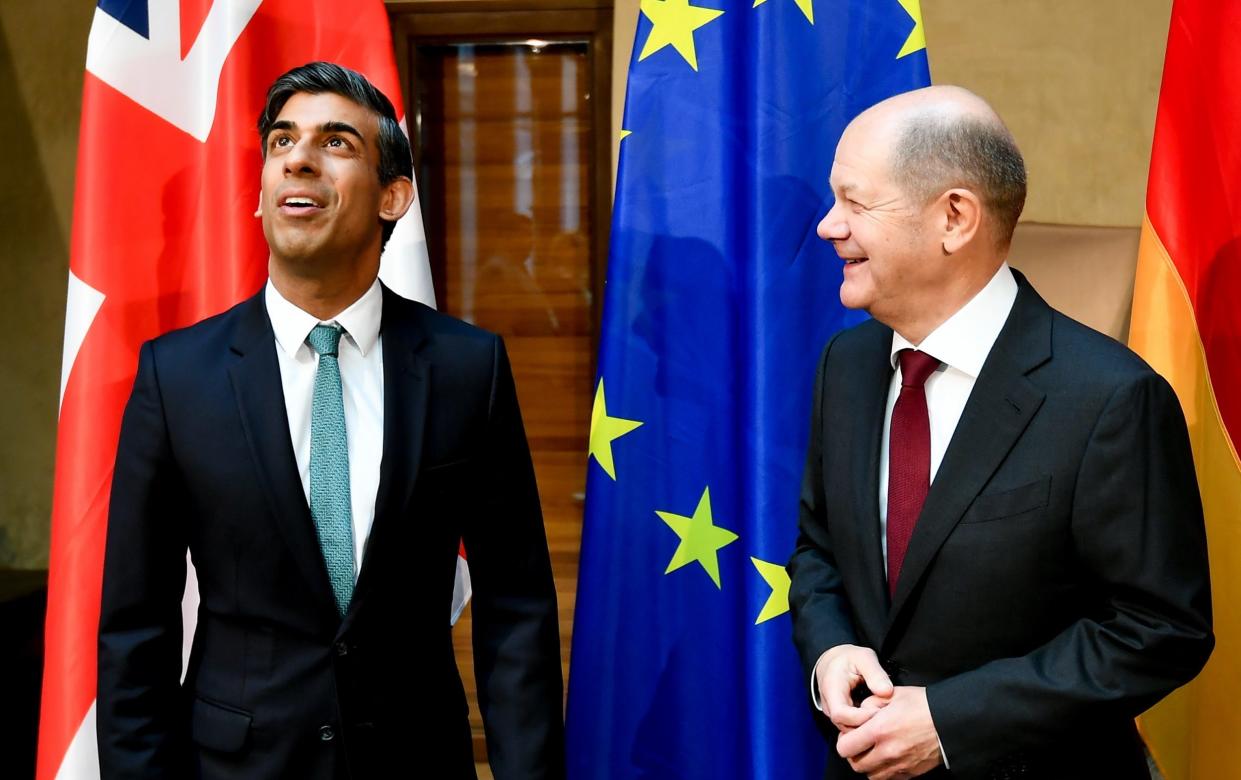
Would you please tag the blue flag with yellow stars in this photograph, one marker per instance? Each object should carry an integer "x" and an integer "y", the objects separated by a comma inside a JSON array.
[{"x": 720, "y": 297}]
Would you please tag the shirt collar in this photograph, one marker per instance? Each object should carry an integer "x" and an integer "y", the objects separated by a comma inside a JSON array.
[
  {"x": 964, "y": 340},
  {"x": 292, "y": 325}
]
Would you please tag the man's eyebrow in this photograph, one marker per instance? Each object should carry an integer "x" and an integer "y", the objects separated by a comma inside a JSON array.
[
  {"x": 340, "y": 127},
  {"x": 325, "y": 128}
]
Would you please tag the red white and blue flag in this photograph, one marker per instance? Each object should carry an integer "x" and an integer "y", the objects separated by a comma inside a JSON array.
[{"x": 164, "y": 234}]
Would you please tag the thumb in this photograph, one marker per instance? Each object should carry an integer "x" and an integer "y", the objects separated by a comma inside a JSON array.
[{"x": 876, "y": 678}]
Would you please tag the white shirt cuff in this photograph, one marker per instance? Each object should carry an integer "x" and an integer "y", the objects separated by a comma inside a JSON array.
[{"x": 814, "y": 683}]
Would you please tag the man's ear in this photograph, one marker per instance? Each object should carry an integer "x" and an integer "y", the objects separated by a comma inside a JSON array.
[
  {"x": 258, "y": 210},
  {"x": 960, "y": 215},
  {"x": 398, "y": 196}
]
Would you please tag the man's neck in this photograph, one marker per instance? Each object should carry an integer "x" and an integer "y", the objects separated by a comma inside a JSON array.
[
  {"x": 323, "y": 297},
  {"x": 937, "y": 309}
]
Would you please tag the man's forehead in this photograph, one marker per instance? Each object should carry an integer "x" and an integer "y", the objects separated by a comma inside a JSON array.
[
  {"x": 858, "y": 166},
  {"x": 312, "y": 109}
]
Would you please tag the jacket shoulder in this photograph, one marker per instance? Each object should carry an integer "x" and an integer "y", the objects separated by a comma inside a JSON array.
[
  {"x": 436, "y": 325},
  {"x": 198, "y": 342},
  {"x": 439, "y": 337},
  {"x": 1093, "y": 357}
]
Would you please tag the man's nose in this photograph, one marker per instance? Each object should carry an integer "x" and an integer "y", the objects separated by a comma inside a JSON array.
[
  {"x": 301, "y": 159},
  {"x": 833, "y": 227}
]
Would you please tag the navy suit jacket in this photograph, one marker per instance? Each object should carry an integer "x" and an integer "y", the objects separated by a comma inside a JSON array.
[
  {"x": 278, "y": 684},
  {"x": 1056, "y": 582}
]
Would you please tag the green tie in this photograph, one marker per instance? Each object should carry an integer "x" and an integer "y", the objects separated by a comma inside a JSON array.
[{"x": 329, "y": 466}]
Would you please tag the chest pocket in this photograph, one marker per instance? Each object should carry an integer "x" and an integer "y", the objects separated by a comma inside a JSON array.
[{"x": 1004, "y": 504}]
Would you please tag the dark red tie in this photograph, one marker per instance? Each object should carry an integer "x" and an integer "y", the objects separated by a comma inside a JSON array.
[{"x": 909, "y": 457}]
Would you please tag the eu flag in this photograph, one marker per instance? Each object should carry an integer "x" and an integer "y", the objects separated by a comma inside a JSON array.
[{"x": 719, "y": 299}]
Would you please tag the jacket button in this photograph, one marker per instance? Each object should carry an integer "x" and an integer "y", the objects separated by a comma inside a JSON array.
[
  {"x": 342, "y": 648},
  {"x": 327, "y": 733}
]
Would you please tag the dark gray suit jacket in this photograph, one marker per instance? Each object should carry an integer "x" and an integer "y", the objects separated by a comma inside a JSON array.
[
  {"x": 278, "y": 685},
  {"x": 1056, "y": 583}
]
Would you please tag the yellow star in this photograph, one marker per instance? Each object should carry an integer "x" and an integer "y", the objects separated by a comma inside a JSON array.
[
  {"x": 778, "y": 578},
  {"x": 917, "y": 37},
  {"x": 805, "y": 5},
  {"x": 700, "y": 538},
  {"x": 625, "y": 134},
  {"x": 604, "y": 430},
  {"x": 673, "y": 23}
]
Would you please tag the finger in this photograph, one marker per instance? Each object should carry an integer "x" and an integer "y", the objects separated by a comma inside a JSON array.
[
  {"x": 875, "y": 702},
  {"x": 855, "y": 743},
  {"x": 870, "y": 764},
  {"x": 849, "y": 717},
  {"x": 867, "y": 764},
  {"x": 876, "y": 678},
  {"x": 834, "y": 693}
]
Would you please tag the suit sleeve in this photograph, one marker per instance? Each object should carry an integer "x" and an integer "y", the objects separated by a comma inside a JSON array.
[
  {"x": 821, "y": 617},
  {"x": 516, "y": 634},
  {"x": 1137, "y": 530},
  {"x": 141, "y": 719}
]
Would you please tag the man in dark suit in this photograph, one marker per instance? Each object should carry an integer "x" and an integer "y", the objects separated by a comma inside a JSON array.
[
  {"x": 1001, "y": 559},
  {"x": 320, "y": 449}
]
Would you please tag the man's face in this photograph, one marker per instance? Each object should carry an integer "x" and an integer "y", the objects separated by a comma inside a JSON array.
[
  {"x": 321, "y": 195},
  {"x": 880, "y": 233}
]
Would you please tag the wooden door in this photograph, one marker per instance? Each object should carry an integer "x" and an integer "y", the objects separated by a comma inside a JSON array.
[{"x": 510, "y": 129}]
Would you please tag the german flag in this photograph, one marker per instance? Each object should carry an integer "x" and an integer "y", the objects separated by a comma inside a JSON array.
[{"x": 1187, "y": 325}]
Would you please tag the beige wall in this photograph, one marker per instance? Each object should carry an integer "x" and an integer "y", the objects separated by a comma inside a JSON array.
[
  {"x": 1077, "y": 81},
  {"x": 42, "y": 55}
]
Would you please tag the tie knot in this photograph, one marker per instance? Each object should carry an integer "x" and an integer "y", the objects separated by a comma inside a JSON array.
[
  {"x": 916, "y": 367},
  {"x": 325, "y": 339}
]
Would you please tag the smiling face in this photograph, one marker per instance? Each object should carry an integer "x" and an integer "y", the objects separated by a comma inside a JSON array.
[
  {"x": 885, "y": 237},
  {"x": 322, "y": 200}
]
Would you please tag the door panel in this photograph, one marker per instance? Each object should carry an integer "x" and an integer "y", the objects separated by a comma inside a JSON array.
[{"x": 507, "y": 158}]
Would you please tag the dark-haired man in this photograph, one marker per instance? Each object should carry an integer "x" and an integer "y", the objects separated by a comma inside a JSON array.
[
  {"x": 1002, "y": 558},
  {"x": 320, "y": 449}
]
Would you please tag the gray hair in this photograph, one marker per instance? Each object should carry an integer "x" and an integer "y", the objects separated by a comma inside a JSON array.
[{"x": 937, "y": 151}]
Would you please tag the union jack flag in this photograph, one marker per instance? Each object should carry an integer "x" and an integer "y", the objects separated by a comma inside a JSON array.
[{"x": 165, "y": 234}]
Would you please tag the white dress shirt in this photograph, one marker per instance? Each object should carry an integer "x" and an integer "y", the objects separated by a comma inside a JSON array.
[
  {"x": 360, "y": 357},
  {"x": 961, "y": 343}
]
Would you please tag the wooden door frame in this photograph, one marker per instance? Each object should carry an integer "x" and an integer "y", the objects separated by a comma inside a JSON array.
[{"x": 496, "y": 21}]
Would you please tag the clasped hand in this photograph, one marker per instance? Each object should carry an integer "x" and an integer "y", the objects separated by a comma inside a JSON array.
[{"x": 890, "y": 735}]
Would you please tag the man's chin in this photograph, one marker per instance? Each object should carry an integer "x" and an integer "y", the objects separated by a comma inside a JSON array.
[
  {"x": 297, "y": 255},
  {"x": 852, "y": 296}
]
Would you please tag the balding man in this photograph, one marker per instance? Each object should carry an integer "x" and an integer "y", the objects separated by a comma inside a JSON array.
[{"x": 1001, "y": 559}]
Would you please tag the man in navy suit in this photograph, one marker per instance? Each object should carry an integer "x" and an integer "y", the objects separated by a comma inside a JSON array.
[
  {"x": 320, "y": 449},
  {"x": 1001, "y": 559}
]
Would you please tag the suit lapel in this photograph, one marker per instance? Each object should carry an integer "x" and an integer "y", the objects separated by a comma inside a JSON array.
[
  {"x": 866, "y": 412},
  {"x": 1000, "y": 407},
  {"x": 406, "y": 388},
  {"x": 255, "y": 378}
]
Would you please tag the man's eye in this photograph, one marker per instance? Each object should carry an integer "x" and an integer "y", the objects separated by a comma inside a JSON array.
[
  {"x": 337, "y": 143},
  {"x": 280, "y": 141}
]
